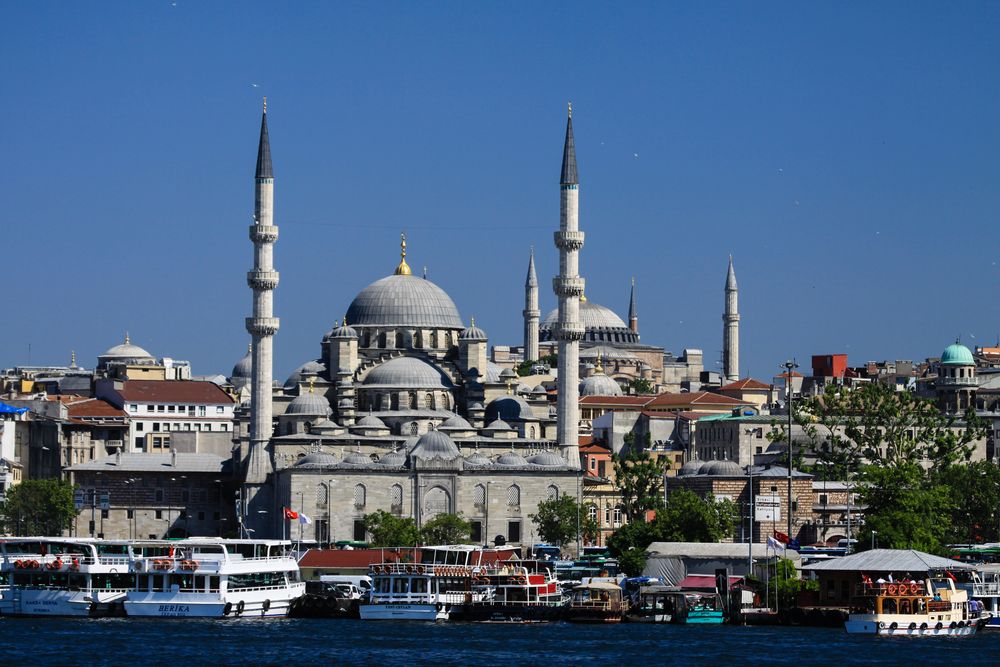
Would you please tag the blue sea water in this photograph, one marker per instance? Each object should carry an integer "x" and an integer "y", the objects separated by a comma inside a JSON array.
[{"x": 177, "y": 642}]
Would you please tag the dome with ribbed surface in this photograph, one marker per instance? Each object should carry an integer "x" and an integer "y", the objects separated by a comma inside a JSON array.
[
  {"x": 600, "y": 324},
  {"x": 600, "y": 385},
  {"x": 394, "y": 459},
  {"x": 125, "y": 353},
  {"x": 957, "y": 354},
  {"x": 690, "y": 468},
  {"x": 457, "y": 422},
  {"x": 547, "y": 458},
  {"x": 344, "y": 331},
  {"x": 243, "y": 368},
  {"x": 318, "y": 459},
  {"x": 724, "y": 469},
  {"x": 314, "y": 367},
  {"x": 309, "y": 405},
  {"x": 435, "y": 445},
  {"x": 498, "y": 425},
  {"x": 371, "y": 421},
  {"x": 408, "y": 372},
  {"x": 473, "y": 334},
  {"x": 357, "y": 459},
  {"x": 511, "y": 459},
  {"x": 477, "y": 459},
  {"x": 404, "y": 301}
]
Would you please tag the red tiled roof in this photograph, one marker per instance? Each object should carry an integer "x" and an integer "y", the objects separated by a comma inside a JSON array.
[
  {"x": 173, "y": 391},
  {"x": 355, "y": 558},
  {"x": 683, "y": 414},
  {"x": 795, "y": 374},
  {"x": 594, "y": 448},
  {"x": 93, "y": 407},
  {"x": 637, "y": 401},
  {"x": 747, "y": 383},
  {"x": 694, "y": 398}
]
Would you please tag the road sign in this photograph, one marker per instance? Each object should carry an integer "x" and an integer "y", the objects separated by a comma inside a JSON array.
[
  {"x": 767, "y": 508},
  {"x": 78, "y": 499},
  {"x": 104, "y": 501}
]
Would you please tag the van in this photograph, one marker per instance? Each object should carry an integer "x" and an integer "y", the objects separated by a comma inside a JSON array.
[{"x": 362, "y": 581}]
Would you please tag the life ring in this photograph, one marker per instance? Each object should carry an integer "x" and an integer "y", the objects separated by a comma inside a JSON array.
[
  {"x": 266, "y": 605},
  {"x": 420, "y": 569},
  {"x": 893, "y": 625},
  {"x": 228, "y": 609},
  {"x": 881, "y": 624},
  {"x": 939, "y": 625},
  {"x": 913, "y": 626},
  {"x": 240, "y": 606},
  {"x": 891, "y": 589},
  {"x": 914, "y": 588},
  {"x": 952, "y": 626},
  {"x": 76, "y": 563},
  {"x": 18, "y": 565},
  {"x": 923, "y": 626}
]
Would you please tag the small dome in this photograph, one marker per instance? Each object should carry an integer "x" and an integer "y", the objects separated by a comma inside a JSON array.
[
  {"x": 690, "y": 468},
  {"x": 539, "y": 391},
  {"x": 511, "y": 458},
  {"x": 404, "y": 301},
  {"x": 498, "y": 425},
  {"x": 725, "y": 469},
  {"x": 473, "y": 334},
  {"x": 493, "y": 373},
  {"x": 705, "y": 467},
  {"x": 356, "y": 458},
  {"x": 600, "y": 385},
  {"x": 314, "y": 367},
  {"x": 477, "y": 459},
  {"x": 317, "y": 459},
  {"x": 345, "y": 403},
  {"x": 523, "y": 389},
  {"x": 344, "y": 331},
  {"x": 957, "y": 354},
  {"x": 125, "y": 353},
  {"x": 394, "y": 459},
  {"x": 547, "y": 458},
  {"x": 371, "y": 421},
  {"x": 309, "y": 404},
  {"x": 243, "y": 368},
  {"x": 476, "y": 406},
  {"x": 435, "y": 445},
  {"x": 408, "y": 372},
  {"x": 457, "y": 422},
  {"x": 507, "y": 374},
  {"x": 509, "y": 409}
]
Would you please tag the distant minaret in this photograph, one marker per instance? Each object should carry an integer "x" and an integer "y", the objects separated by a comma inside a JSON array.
[
  {"x": 263, "y": 325},
  {"x": 731, "y": 329},
  {"x": 568, "y": 286},
  {"x": 633, "y": 315},
  {"x": 531, "y": 312}
]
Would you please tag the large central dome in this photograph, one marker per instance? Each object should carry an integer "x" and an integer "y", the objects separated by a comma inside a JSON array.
[
  {"x": 404, "y": 301},
  {"x": 592, "y": 316}
]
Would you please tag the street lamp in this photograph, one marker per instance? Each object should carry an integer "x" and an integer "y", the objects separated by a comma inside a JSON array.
[{"x": 790, "y": 366}]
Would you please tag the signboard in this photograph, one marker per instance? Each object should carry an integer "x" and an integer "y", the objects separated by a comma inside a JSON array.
[
  {"x": 104, "y": 500},
  {"x": 78, "y": 499},
  {"x": 767, "y": 508}
]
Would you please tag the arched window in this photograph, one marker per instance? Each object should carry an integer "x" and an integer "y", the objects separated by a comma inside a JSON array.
[
  {"x": 592, "y": 512},
  {"x": 531, "y": 431},
  {"x": 322, "y": 496},
  {"x": 413, "y": 428},
  {"x": 399, "y": 340},
  {"x": 479, "y": 496},
  {"x": 618, "y": 515},
  {"x": 396, "y": 496},
  {"x": 552, "y": 491},
  {"x": 513, "y": 496},
  {"x": 360, "y": 495},
  {"x": 429, "y": 401}
]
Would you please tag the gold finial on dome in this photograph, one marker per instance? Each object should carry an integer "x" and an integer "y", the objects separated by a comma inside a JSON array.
[
  {"x": 312, "y": 383},
  {"x": 72, "y": 358},
  {"x": 127, "y": 341},
  {"x": 249, "y": 348},
  {"x": 265, "y": 104},
  {"x": 403, "y": 269},
  {"x": 569, "y": 109},
  {"x": 583, "y": 298},
  {"x": 598, "y": 368},
  {"x": 472, "y": 321}
]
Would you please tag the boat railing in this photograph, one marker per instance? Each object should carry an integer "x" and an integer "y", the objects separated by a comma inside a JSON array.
[
  {"x": 986, "y": 589},
  {"x": 419, "y": 568},
  {"x": 903, "y": 588}
]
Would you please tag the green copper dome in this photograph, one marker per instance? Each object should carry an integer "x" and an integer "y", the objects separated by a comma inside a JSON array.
[{"x": 957, "y": 355}]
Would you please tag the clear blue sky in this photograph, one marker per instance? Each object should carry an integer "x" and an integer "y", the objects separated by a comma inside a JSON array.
[{"x": 845, "y": 153}]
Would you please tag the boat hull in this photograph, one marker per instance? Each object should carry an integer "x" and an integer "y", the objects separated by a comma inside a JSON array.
[
  {"x": 35, "y": 602},
  {"x": 256, "y": 604},
  {"x": 403, "y": 612},
  {"x": 883, "y": 629},
  {"x": 508, "y": 613}
]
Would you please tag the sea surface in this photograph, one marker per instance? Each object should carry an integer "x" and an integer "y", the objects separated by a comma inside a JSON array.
[{"x": 179, "y": 643}]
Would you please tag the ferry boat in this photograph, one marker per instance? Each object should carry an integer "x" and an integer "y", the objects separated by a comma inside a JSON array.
[
  {"x": 55, "y": 576},
  {"x": 656, "y": 603},
  {"x": 703, "y": 610},
  {"x": 213, "y": 578},
  {"x": 934, "y": 607},
  {"x": 524, "y": 592},
  {"x": 597, "y": 602},
  {"x": 986, "y": 591},
  {"x": 426, "y": 589}
]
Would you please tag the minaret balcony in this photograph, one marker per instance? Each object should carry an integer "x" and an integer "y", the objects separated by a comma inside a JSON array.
[
  {"x": 262, "y": 326},
  {"x": 568, "y": 331},
  {"x": 532, "y": 313},
  {"x": 567, "y": 240},
  {"x": 259, "y": 279},
  {"x": 563, "y": 286},
  {"x": 956, "y": 383},
  {"x": 263, "y": 233}
]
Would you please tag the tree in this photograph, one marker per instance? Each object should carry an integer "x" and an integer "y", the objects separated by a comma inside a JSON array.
[
  {"x": 557, "y": 520},
  {"x": 641, "y": 386},
  {"x": 38, "y": 507},
  {"x": 906, "y": 509},
  {"x": 628, "y": 545},
  {"x": 639, "y": 479},
  {"x": 975, "y": 498},
  {"x": 446, "y": 529},
  {"x": 386, "y": 530}
]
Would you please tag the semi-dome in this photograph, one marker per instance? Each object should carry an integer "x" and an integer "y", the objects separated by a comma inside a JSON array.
[
  {"x": 600, "y": 385},
  {"x": 511, "y": 458},
  {"x": 435, "y": 445},
  {"x": 408, "y": 372},
  {"x": 957, "y": 354},
  {"x": 314, "y": 367},
  {"x": 508, "y": 408},
  {"x": 309, "y": 404},
  {"x": 243, "y": 368},
  {"x": 493, "y": 372},
  {"x": 404, "y": 301},
  {"x": 319, "y": 459},
  {"x": 393, "y": 459},
  {"x": 547, "y": 458}
]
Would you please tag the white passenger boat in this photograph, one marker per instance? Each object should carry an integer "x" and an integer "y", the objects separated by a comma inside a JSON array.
[
  {"x": 213, "y": 578},
  {"x": 54, "y": 576},
  {"x": 934, "y": 607},
  {"x": 435, "y": 580}
]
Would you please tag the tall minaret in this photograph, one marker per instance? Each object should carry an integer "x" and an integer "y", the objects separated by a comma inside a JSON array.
[
  {"x": 568, "y": 286},
  {"x": 731, "y": 329},
  {"x": 531, "y": 312},
  {"x": 633, "y": 315},
  {"x": 263, "y": 325}
]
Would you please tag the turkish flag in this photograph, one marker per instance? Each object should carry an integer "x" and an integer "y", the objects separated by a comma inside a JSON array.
[
  {"x": 781, "y": 537},
  {"x": 291, "y": 514}
]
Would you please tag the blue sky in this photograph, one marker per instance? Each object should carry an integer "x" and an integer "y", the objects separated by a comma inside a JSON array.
[{"x": 846, "y": 154}]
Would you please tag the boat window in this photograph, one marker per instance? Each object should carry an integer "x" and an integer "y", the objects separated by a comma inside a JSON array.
[
  {"x": 256, "y": 580},
  {"x": 400, "y": 585},
  {"x": 382, "y": 584},
  {"x": 418, "y": 585}
]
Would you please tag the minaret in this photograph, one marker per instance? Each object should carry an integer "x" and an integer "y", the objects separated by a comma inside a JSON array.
[
  {"x": 531, "y": 312},
  {"x": 263, "y": 325},
  {"x": 731, "y": 329},
  {"x": 633, "y": 315},
  {"x": 568, "y": 286}
]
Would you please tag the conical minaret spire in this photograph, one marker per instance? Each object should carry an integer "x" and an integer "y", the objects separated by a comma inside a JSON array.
[
  {"x": 633, "y": 313},
  {"x": 531, "y": 312},
  {"x": 568, "y": 286},
  {"x": 262, "y": 326},
  {"x": 731, "y": 328}
]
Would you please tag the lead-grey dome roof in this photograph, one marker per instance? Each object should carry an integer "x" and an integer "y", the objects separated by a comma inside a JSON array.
[
  {"x": 508, "y": 408},
  {"x": 393, "y": 459},
  {"x": 408, "y": 372},
  {"x": 477, "y": 459},
  {"x": 243, "y": 367},
  {"x": 371, "y": 421},
  {"x": 690, "y": 468},
  {"x": 600, "y": 384},
  {"x": 357, "y": 459},
  {"x": 511, "y": 459},
  {"x": 317, "y": 459},
  {"x": 725, "y": 469},
  {"x": 404, "y": 300},
  {"x": 600, "y": 324},
  {"x": 547, "y": 458},
  {"x": 314, "y": 367},
  {"x": 126, "y": 352},
  {"x": 435, "y": 445},
  {"x": 473, "y": 333},
  {"x": 309, "y": 404}
]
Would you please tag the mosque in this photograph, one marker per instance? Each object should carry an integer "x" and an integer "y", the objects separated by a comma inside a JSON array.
[{"x": 403, "y": 410}]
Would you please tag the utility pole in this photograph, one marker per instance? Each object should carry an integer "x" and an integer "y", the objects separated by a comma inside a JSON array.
[{"x": 790, "y": 366}]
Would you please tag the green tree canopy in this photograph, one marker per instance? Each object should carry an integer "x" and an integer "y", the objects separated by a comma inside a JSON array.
[
  {"x": 641, "y": 386},
  {"x": 38, "y": 507},
  {"x": 446, "y": 529},
  {"x": 638, "y": 478},
  {"x": 557, "y": 520},
  {"x": 387, "y": 530},
  {"x": 974, "y": 490}
]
